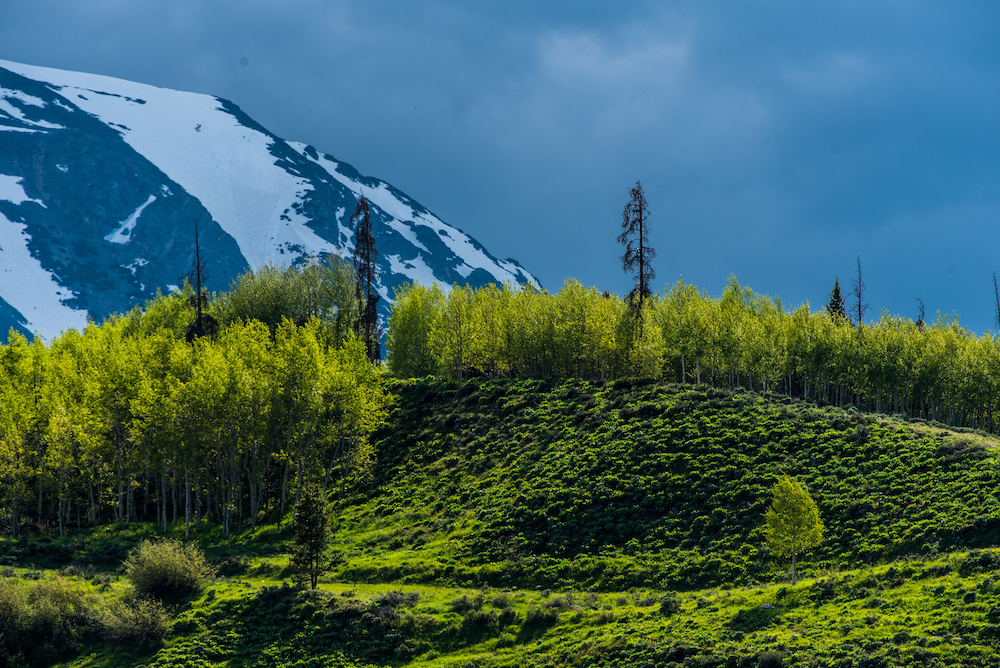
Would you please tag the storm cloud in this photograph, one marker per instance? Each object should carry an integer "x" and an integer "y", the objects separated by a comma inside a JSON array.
[{"x": 776, "y": 141}]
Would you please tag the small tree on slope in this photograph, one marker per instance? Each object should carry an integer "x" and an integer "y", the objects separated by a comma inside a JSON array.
[
  {"x": 793, "y": 524},
  {"x": 310, "y": 537}
]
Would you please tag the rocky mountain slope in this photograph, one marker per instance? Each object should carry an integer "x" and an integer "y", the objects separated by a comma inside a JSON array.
[{"x": 103, "y": 180}]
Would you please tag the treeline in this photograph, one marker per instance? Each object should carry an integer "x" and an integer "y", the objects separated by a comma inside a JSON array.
[
  {"x": 129, "y": 421},
  {"x": 939, "y": 371}
]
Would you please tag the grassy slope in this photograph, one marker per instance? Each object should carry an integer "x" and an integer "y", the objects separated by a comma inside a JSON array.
[
  {"x": 643, "y": 484},
  {"x": 489, "y": 495}
]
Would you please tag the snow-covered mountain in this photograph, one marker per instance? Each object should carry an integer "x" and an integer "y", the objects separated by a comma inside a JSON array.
[{"x": 102, "y": 181}]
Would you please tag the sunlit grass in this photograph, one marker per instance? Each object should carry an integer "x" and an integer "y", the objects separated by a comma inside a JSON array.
[{"x": 542, "y": 524}]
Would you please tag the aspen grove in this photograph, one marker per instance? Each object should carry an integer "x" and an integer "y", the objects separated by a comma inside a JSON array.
[
  {"x": 938, "y": 371},
  {"x": 127, "y": 421}
]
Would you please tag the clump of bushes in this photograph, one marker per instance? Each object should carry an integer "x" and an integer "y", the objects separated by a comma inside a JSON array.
[
  {"x": 40, "y": 621},
  {"x": 463, "y": 603},
  {"x": 539, "y": 617},
  {"x": 168, "y": 569},
  {"x": 43, "y": 621}
]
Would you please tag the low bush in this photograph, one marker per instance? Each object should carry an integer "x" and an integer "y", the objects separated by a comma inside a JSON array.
[
  {"x": 396, "y": 598},
  {"x": 463, "y": 603},
  {"x": 167, "y": 569},
  {"x": 770, "y": 659},
  {"x": 669, "y": 604},
  {"x": 541, "y": 617},
  {"x": 140, "y": 621}
]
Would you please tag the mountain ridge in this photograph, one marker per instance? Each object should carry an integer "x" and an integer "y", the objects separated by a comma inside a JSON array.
[{"x": 102, "y": 181}]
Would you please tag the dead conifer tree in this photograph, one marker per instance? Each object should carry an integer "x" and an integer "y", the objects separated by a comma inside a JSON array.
[
  {"x": 368, "y": 327},
  {"x": 638, "y": 252},
  {"x": 860, "y": 305},
  {"x": 996, "y": 293},
  {"x": 204, "y": 324}
]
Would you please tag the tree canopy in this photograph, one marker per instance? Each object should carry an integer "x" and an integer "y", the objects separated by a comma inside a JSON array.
[
  {"x": 129, "y": 421},
  {"x": 319, "y": 290}
]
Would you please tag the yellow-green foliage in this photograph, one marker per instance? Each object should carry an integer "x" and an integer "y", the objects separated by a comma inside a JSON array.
[
  {"x": 509, "y": 332},
  {"x": 43, "y": 619},
  {"x": 323, "y": 291},
  {"x": 793, "y": 524},
  {"x": 937, "y": 371},
  {"x": 133, "y": 620},
  {"x": 915, "y": 612},
  {"x": 124, "y": 418}
]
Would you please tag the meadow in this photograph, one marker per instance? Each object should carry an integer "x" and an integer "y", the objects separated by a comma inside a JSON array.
[{"x": 514, "y": 522}]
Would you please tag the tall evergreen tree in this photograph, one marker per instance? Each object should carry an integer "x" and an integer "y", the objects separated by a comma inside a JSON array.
[
  {"x": 368, "y": 328},
  {"x": 837, "y": 308},
  {"x": 638, "y": 253}
]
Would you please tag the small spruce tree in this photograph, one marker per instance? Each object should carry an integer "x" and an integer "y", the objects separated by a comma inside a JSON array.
[
  {"x": 792, "y": 522},
  {"x": 310, "y": 537},
  {"x": 837, "y": 308}
]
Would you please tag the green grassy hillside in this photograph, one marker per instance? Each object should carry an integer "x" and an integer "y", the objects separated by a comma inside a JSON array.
[
  {"x": 645, "y": 484},
  {"x": 508, "y": 523}
]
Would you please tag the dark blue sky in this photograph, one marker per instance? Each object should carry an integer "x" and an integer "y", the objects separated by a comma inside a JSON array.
[{"x": 776, "y": 141}]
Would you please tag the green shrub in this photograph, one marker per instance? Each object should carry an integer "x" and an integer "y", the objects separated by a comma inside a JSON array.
[
  {"x": 540, "y": 618},
  {"x": 480, "y": 619},
  {"x": 395, "y": 599},
  {"x": 167, "y": 569},
  {"x": 770, "y": 659},
  {"x": 507, "y": 617},
  {"x": 669, "y": 604},
  {"x": 501, "y": 600},
  {"x": 40, "y": 621},
  {"x": 506, "y": 640},
  {"x": 463, "y": 603},
  {"x": 141, "y": 621}
]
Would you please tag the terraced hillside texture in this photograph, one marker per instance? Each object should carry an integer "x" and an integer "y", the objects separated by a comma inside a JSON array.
[{"x": 508, "y": 523}]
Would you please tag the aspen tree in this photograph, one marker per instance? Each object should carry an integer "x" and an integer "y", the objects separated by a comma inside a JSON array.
[{"x": 792, "y": 522}]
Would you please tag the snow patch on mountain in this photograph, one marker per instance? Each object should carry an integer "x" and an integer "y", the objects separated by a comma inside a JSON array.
[
  {"x": 204, "y": 148},
  {"x": 31, "y": 289},
  {"x": 406, "y": 215},
  {"x": 12, "y": 190},
  {"x": 12, "y": 103},
  {"x": 416, "y": 270},
  {"x": 123, "y": 234}
]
